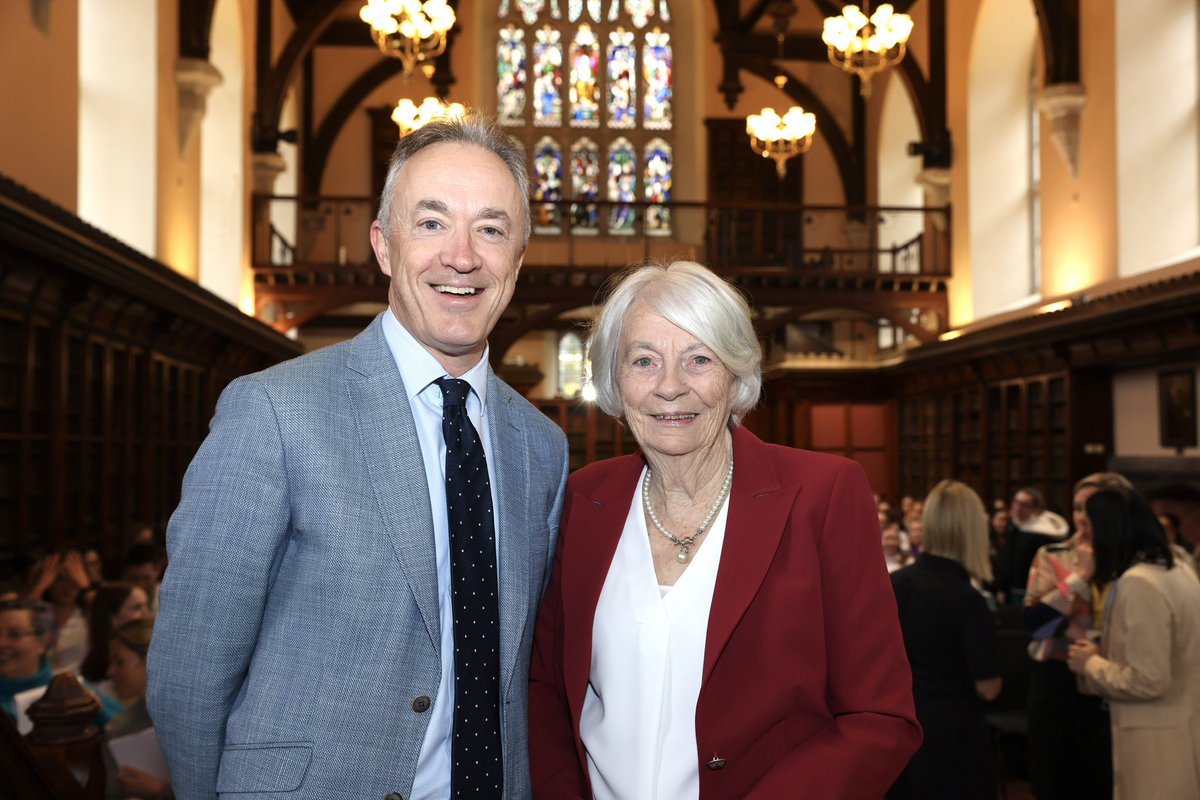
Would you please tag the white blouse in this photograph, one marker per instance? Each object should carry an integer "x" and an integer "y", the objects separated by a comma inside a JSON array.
[{"x": 638, "y": 724}]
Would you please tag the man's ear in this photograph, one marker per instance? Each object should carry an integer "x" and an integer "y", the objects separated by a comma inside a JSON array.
[{"x": 379, "y": 243}]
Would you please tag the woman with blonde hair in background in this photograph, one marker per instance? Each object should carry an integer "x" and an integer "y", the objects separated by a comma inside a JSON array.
[{"x": 950, "y": 637}]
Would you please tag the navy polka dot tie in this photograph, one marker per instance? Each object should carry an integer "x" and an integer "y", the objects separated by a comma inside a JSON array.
[{"x": 477, "y": 769}]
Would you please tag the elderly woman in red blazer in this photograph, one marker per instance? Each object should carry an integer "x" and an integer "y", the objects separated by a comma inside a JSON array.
[{"x": 719, "y": 622}]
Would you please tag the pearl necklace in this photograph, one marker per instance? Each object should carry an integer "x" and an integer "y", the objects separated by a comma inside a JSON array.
[{"x": 686, "y": 543}]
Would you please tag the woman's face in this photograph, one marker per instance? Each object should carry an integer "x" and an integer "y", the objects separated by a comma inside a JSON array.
[
  {"x": 21, "y": 649},
  {"x": 1000, "y": 521},
  {"x": 1083, "y": 525},
  {"x": 93, "y": 565},
  {"x": 675, "y": 393},
  {"x": 127, "y": 672},
  {"x": 134, "y": 607}
]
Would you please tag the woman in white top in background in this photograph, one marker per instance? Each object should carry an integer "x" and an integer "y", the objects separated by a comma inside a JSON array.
[{"x": 719, "y": 622}]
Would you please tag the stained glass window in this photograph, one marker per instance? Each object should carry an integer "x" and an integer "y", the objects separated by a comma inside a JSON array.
[
  {"x": 585, "y": 185},
  {"x": 547, "y": 186},
  {"x": 598, "y": 76},
  {"x": 622, "y": 185},
  {"x": 511, "y": 72},
  {"x": 656, "y": 65},
  {"x": 657, "y": 183},
  {"x": 585, "y": 79},
  {"x": 547, "y": 78},
  {"x": 622, "y": 79}
]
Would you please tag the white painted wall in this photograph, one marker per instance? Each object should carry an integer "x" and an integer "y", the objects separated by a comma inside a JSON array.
[
  {"x": 118, "y": 107},
  {"x": 1158, "y": 133},
  {"x": 897, "y": 170},
  {"x": 998, "y": 118},
  {"x": 222, "y": 179}
]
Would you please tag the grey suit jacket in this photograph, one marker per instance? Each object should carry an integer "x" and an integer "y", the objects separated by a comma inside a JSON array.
[{"x": 298, "y": 620}]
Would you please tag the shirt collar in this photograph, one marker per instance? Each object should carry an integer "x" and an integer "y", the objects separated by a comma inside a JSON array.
[{"x": 418, "y": 368}]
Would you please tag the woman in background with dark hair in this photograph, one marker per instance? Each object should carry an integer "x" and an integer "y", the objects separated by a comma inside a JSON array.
[
  {"x": 115, "y": 604},
  {"x": 1147, "y": 664}
]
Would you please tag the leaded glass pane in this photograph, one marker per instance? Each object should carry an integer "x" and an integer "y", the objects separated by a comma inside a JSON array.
[
  {"x": 657, "y": 183},
  {"x": 639, "y": 11},
  {"x": 622, "y": 185},
  {"x": 511, "y": 72},
  {"x": 570, "y": 364},
  {"x": 585, "y": 89},
  {"x": 547, "y": 186},
  {"x": 664, "y": 11},
  {"x": 503, "y": 9},
  {"x": 656, "y": 66},
  {"x": 594, "y": 10},
  {"x": 547, "y": 78},
  {"x": 622, "y": 80},
  {"x": 585, "y": 185},
  {"x": 530, "y": 10},
  {"x": 574, "y": 9}
]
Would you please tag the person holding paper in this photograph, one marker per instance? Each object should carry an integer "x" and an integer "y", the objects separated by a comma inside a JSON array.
[
  {"x": 24, "y": 644},
  {"x": 127, "y": 671}
]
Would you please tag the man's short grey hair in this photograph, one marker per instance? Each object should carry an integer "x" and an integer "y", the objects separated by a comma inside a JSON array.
[
  {"x": 473, "y": 128},
  {"x": 690, "y": 297}
]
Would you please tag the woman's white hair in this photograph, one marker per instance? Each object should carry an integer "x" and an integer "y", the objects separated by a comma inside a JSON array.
[
  {"x": 690, "y": 297},
  {"x": 956, "y": 527}
]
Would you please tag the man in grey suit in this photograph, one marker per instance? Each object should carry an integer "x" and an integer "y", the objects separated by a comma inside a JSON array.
[{"x": 305, "y": 646}]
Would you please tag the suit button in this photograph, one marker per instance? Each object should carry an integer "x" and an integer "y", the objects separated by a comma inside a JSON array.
[
  {"x": 394, "y": 796},
  {"x": 716, "y": 763},
  {"x": 420, "y": 705}
]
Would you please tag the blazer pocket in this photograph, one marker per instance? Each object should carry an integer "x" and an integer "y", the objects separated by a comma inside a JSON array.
[
  {"x": 1147, "y": 715},
  {"x": 271, "y": 767}
]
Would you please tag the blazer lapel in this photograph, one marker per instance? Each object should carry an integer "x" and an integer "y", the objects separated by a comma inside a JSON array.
[
  {"x": 512, "y": 453},
  {"x": 759, "y": 506},
  {"x": 389, "y": 444},
  {"x": 596, "y": 522}
]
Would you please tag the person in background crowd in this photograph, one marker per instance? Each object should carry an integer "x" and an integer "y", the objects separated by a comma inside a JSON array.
[
  {"x": 1070, "y": 747},
  {"x": 1032, "y": 526},
  {"x": 893, "y": 555},
  {"x": 1000, "y": 553},
  {"x": 143, "y": 567},
  {"x": 127, "y": 674},
  {"x": 114, "y": 604},
  {"x": 1179, "y": 549},
  {"x": 93, "y": 564},
  {"x": 717, "y": 624},
  {"x": 916, "y": 533},
  {"x": 24, "y": 647},
  {"x": 949, "y": 636},
  {"x": 61, "y": 580},
  {"x": 1148, "y": 662}
]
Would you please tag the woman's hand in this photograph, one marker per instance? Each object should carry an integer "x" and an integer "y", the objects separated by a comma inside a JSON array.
[
  {"x": 75, "y": 569},
  {"x": 43, "y": 575},
  {"x": 1085, "y": 561},
  {"x": 1079, "y": 653},
  {"x": 140, "y": 784}
]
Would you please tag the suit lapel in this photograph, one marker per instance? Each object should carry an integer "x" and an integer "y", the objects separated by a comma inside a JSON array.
[
  {"x": 596, "y": 522},
  {"x": 389, "y": 443},
  {"x": 511, "y": 451},
  {"x": 759, "y": 506}
]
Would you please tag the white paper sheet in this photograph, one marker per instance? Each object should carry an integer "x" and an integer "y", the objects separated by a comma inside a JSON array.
[{"x": 140, "y": 750}]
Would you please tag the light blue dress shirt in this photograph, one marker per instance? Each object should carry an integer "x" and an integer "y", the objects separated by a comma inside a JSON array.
[{"x": 419, "y": 369}]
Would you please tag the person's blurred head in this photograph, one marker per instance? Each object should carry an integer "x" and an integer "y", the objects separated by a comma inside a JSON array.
[
  {"x": 114, "y": 605},
  {"x": 1170, "y": 524},
  {"x": 1000, "y": 521},
  {"x": 1124, "y": 532},
  {"x": 24, "y": 638},
  {"x": 94, "y": 564},
  {"x": 955, "y": 527},
  {"x": 1026, "y": 502},
  {"x": 127, "y": 659},
  {"x": 916, "y": 532},
  {"x": 1084, "y": 488},
  {"x": 891, "y": 540},
  {"x": 143, "y": 567}
]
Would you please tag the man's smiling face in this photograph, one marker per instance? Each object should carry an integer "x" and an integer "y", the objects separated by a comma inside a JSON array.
[{"x": 453, "y": 251}]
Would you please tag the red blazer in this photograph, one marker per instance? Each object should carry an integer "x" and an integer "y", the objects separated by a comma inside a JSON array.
[{"x": 806, "y": 689}]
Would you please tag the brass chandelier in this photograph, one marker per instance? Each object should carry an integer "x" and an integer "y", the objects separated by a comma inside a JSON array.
[
  {"x": 410, "y": 30},
  {"x": 409, "y": 116},
  {"x": 771, "y": 135},
  {"x": 867, "y": 45}
]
